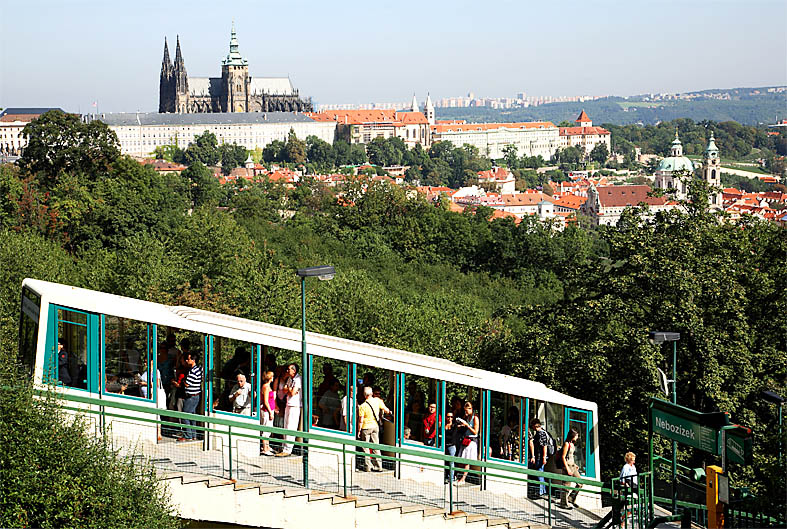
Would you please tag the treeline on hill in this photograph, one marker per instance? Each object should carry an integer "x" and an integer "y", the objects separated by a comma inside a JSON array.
[
  {"x": 617, "y": 110},
  {"x": 571, "y": 309}
]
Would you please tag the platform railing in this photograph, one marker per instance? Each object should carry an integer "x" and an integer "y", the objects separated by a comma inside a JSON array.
[{"x": 229, "y": 435}]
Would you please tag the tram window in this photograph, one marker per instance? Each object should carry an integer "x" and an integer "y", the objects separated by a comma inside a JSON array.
[
  {"x": 554, "y": 419},
  {"x": 383, "y": 384},
  {"x": 28, "y": 329},
  {"x": 72, "y": 348},
  {"x": 127, "y": 356},
  {"x": 330, "y": 378},
  {"x": 231, "y": 391},
  {"x": 422, "y": 393},
  {"x": 459, "y": 395},
  {"x": 506, "y": 427}
]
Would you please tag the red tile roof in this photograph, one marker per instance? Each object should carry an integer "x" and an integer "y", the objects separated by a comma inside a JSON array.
[
  {"x": 582, "y": 117},
  {"x": 412, "y": 118},
  {"x": 577, "y": 131},
  {"x": 354, "y": 117},
  {"x": 621, "y": 196}
]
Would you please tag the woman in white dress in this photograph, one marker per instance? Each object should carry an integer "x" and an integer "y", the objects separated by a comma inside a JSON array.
[{"x": 468, "y": 435}]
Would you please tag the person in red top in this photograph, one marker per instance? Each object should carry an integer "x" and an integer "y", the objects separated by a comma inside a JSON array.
[{"x": 429, "y": 425}]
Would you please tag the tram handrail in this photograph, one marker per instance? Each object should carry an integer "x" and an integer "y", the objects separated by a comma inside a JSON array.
[{"x": 348, "y": 441}]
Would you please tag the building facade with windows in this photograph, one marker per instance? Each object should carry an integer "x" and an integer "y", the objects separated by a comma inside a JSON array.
[
  {"x": 139, "y": 134},
  {"x": 12, "y": 122},
  {"x": 585, "y": 136},
  {"x": 530, "y": 138}
]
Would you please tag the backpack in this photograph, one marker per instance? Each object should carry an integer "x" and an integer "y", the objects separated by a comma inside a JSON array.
[{"x": 551, "y": 444}]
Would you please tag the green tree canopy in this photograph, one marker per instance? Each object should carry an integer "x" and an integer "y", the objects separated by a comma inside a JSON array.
[{"x": 204, "y": 149}]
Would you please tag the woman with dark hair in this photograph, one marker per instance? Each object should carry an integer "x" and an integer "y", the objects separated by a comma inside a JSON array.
[{"x": 566, "y": 465}]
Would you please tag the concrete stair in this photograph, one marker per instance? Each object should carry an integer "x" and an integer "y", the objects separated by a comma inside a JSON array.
[{"x": 254, "y": 505}]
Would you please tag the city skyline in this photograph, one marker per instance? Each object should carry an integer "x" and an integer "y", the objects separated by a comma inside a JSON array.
[{"x": 72, "y": 55}]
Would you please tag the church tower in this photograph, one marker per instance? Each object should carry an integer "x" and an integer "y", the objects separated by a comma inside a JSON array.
[
  {"x": 166, "y": 91},
  {"x": 235, "y": 77},
  {"x": 429, "y": 110},
  {"x": 181, "y": 81},
  {"x": 414, "y": 104},
  {"x": 711, "y": 172}
]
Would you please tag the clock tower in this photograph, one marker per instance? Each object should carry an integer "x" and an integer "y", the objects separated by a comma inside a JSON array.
[{"x": 711, "y": 172}]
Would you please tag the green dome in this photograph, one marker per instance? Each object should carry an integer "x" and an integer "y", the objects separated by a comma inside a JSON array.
[{"x": 676, "y": 163}]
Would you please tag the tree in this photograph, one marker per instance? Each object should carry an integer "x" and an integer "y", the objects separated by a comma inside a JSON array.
[
  {"x": 205, "y": 188},
  {"x": 319, "y": 152},
  {"x": 232, "y": 156},
  {"x": 274, "y": 151},
  {"x": 377, "y": 152},
  {"x": 60, "y": 143},
  {"x": 600, "y": 153},
  {"x": 204, "y": 149},
  {"x": 294, "y": 149},
  {"x": 510, "y": 155}
]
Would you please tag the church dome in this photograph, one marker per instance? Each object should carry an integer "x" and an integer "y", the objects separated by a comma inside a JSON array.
[{"x": 676, "y": 163}]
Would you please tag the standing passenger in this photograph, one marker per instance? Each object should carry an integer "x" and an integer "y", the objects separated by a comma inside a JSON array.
[
  {"x": 240, "y": 396},
  {"x": 628, "y": 474},
  {"x": 430, "y": 425},
  {"x": 450, "y": 439},
  {"x": 538, "y": 452},
  {"x": 192, "y": 388},
  {"x": 469, "y": 427},
  {"x": 567, "y": 466},
  {"x": 292, "y": 411},
  {"x": 268, "y": 407},
  {"x": 369, "y": 414}
]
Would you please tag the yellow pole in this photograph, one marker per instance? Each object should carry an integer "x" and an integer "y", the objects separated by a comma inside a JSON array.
[{"x": 715, "y": 507}]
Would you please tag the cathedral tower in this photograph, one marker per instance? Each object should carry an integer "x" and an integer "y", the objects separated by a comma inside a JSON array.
[
  {"x": 166, "y": 101},
  {"x": 236, "y": 80},
  {"x": 711, "y": 172},
  {"x": 181, "y": 81}
]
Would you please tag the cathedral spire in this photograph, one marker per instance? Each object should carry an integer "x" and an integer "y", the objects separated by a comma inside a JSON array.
[
  {"x": 178, "y": 57},
  {"x": 414, "y": 104},
  {"x": 166, "y": 63},
  {"x": 234, "y": 57}
]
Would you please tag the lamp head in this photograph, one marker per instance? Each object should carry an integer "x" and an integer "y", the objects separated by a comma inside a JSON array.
[
  {"x": 663, "y": 336},
  {"x": 323, "y": 273},
  {"x": 772, "y": 397}
]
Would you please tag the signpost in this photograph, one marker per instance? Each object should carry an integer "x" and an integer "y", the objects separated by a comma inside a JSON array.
[{"x": 709, "y": 432}]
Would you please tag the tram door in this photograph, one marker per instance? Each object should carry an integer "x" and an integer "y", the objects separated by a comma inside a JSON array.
[
  {"x": 72, "y": 348},
  {"x": 582, "y": 422}
]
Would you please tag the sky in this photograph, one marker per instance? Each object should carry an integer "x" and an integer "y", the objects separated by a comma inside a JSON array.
[{"x": 70, "y": 54}]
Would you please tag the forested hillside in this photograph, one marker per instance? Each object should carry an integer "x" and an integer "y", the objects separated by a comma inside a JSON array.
[{"x": 571, "y": 309}]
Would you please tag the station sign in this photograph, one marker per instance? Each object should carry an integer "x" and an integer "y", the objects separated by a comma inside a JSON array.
[{"x": 684, "y": 431}]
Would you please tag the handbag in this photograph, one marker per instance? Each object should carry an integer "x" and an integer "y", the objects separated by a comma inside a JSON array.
[{"x": 466, "y": 441}]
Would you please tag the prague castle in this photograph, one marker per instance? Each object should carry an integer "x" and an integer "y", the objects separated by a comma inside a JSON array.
[{"x": 234, "y": 91}]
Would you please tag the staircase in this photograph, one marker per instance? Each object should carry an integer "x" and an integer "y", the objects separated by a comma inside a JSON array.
[{"x": 256, "y": 505}]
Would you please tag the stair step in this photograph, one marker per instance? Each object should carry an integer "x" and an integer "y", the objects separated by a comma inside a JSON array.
[
  {"x": 293, "y": 493},
  {"x": 490, "y": 522},
  {"x": 221, "y": 482},
  {"x": 433, "y": 511},
  {"x": 271, "y": 489}
]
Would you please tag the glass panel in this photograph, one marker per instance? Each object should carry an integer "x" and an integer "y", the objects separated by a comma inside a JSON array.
[
  {"x": 422, "y": 397},
  {"x": 234, "y": 385},
  {"x": 28, "y": 329},
  {"x": 126, "y": 357},
  {"x": 577, "y": 420},
  {"x": 383, "y": 384},
  {"x": 505, "y": 427},
  {"x": 72, "y": 349},
  {"x": 329, "y": 388},
  {"x": 460, "y": 396},
  {"x": 554, "y": 422}
]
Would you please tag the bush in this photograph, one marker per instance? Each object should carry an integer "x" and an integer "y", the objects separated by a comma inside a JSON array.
[{"x": 56, "y": 474}]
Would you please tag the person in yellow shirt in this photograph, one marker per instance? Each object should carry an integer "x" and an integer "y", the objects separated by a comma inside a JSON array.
[{"x": 369, "y": 417}]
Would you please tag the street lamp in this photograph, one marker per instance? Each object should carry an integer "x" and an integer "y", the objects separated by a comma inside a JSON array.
[
  {"x": 660, "y": 337},
  {"x": 775, "y": 398},
  {"x": 323, "y": 273}
]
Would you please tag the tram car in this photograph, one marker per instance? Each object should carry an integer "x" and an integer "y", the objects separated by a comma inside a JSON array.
[{"x": 120, "y": 349}]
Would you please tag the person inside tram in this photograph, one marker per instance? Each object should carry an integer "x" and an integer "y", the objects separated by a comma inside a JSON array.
[
  {"x": 63, "y": 369},
  {"x": 414, "y": 419},
  {"x": 509, "y": 438},
  {"x": 345, "y": 408},
  {"x": 328, "y": 379},
  {"x": 330, "y": 405},
  {"x": 240, "y": 396},
  {"x": 129, "y": 357},
  {"x": 430, "y": 425},
  {"x": 457, "y": 407}
]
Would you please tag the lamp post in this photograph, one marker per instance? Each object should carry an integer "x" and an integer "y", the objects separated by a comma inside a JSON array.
[
  {"x": 775, "y": 398},
  {"x": 660, "y": 337},
  {"x": 323, "y": 273}
]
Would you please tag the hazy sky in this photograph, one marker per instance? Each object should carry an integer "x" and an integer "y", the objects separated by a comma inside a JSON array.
[{"x": 71, "y": 53}]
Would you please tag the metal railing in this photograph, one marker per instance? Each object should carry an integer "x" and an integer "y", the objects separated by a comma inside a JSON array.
[{"x": 234, "y": 455}]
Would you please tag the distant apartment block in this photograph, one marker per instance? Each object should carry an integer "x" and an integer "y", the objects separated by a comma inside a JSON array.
[{"x": 141, "y": 133}]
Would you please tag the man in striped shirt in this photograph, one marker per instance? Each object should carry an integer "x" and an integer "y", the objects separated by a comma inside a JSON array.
[{"x": 193, "y": 388}]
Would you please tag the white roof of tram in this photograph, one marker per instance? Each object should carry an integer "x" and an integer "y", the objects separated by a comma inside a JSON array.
[{"x": 188, "y": 318}]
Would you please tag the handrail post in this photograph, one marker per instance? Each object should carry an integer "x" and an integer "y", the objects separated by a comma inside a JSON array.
[
  {"x": 229, "y": 435},
  {"x": 344, "y": 468},
  {"x": 549, "y": 504},
  {"x": 450, "y": 487}
]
